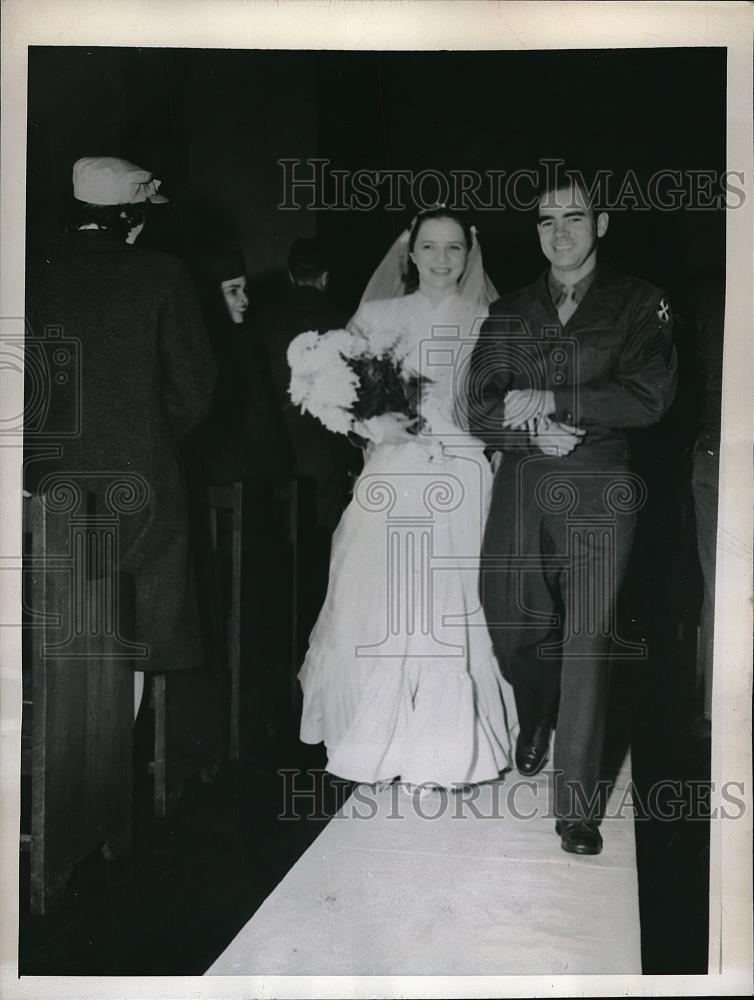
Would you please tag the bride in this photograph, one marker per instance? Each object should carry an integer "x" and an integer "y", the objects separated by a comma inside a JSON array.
[{"x": 400, "y": 679}]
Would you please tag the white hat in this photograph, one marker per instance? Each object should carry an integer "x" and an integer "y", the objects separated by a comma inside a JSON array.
[{"x": 108, "y": 180}]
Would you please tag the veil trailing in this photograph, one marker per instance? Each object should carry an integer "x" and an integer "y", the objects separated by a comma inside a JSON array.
[{"x": 387, "y": 281}]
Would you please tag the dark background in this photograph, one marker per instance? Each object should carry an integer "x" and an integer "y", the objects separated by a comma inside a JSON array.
[{"x": 212, "y": 125}]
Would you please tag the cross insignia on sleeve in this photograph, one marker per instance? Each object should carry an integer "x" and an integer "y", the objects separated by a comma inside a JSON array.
[{"x": 663, "y": 311}]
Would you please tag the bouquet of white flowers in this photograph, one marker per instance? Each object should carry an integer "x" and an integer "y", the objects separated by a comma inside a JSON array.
[{"x": 345, "y": 380}]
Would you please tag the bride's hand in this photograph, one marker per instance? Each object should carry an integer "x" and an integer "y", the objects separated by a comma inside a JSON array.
[
  {"x": 388, "y": 428},
  {"x": 554, "y": 438}
]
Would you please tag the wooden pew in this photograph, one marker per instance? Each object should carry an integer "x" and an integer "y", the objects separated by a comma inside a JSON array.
[
  {"x": 78, "y": 713},
  {"x": 192, "y": 733},
  {"x": 290, "y": 496},
  {"x": 227, "y": 527},
  {"x": 188, "y": 732},
  {"x": 228, "y": 500},
  {"x": 79, "y": 721}
]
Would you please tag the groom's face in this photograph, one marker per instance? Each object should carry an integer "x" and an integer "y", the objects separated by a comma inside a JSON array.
[{"x": 568, "y": 228}]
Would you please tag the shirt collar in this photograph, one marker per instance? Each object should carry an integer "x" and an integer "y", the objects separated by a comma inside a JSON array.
[{"x": 581, "y": 287}]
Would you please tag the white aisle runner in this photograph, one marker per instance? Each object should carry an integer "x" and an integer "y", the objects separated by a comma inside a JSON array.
[{"x": 450, "y": 885}]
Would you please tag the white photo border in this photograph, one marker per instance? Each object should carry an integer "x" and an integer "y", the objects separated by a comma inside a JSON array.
[{"x": 415, "y": 24}]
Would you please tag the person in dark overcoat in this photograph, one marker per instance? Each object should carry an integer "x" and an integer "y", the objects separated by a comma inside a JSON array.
[
  {"x": 319, "y": 455},
  {"x": 563, "y": 368},
  {"x": 241, "y": 440},
  {"x": 145, "y": 378},
  {"x": 324, "y": 462}
]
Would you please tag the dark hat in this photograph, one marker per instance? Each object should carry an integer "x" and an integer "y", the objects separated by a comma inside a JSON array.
[{"x": 225, "y": 264}]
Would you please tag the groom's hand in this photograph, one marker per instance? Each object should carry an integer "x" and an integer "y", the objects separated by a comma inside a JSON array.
[
  {"x": 554, "y": 438},
  {"x": 521, "y": 406}
]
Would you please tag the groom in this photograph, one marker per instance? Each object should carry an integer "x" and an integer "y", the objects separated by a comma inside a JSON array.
[{"x": 582, "y": 354}]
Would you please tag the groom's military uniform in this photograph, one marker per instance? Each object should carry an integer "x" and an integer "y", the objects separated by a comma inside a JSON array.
[{"x": 560, "y": 529}]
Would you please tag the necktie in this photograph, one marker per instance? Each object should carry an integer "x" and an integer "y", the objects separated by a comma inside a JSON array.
[{"x": 567, "y": 303}]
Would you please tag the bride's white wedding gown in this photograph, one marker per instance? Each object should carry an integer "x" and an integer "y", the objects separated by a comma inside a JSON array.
[{"x": 400, "y": 680}]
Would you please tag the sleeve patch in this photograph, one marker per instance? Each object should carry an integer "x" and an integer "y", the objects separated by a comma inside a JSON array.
[
  {"x": 663, "y": 311},
  {"x": 661, "y": 345}
]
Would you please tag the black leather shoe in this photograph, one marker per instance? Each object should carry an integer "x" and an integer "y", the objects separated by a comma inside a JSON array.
[
  {"x": 531, "y": 756},
  {"x": 579, "y": 836}
]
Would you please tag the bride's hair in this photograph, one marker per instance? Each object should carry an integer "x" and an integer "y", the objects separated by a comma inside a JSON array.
[
  {"x": 411, "y": 275},
  {"x": 396, "y": 274}
]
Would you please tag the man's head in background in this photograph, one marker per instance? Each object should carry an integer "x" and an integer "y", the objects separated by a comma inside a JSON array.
[{"x": 309, "y": 264}]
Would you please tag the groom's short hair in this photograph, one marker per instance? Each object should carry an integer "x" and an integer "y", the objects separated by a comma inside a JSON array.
[{"x": 575, "y": 177}]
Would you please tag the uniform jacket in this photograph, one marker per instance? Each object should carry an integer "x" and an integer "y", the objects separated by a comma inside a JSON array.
[
  {"x": 143, "y": 378},
  {"x": 611, "y": 368}
]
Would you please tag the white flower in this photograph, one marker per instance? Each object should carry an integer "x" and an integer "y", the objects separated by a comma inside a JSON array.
[
  {"x": 334, "y": 418},
  {"x": 349, "y": 344},
  {"x": 300, "y": 350},
  {"x": 299, "y": 388},
  {"x": 322, "y": 380},
  {"x": 322, "y": 383},
  {"x": 335, "y": 385}
]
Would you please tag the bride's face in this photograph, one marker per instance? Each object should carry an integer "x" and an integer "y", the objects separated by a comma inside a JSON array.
[{"x": 439, "y": 254}]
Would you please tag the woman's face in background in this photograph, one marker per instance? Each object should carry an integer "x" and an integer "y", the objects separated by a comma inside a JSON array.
[
  {"x": 234, "y": 292},
  {"x": 440, "y": 254}
]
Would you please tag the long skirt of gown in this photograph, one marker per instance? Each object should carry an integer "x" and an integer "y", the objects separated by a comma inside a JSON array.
[{"x": 400, "y": 679}]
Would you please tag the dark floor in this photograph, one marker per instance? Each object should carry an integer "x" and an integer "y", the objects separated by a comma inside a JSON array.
[
  {"x": 190, "y": 883},
  {"x": 670, "y": 755}
]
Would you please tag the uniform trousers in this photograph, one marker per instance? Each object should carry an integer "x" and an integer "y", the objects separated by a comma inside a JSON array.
[{"x": 557, "y": 543}]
